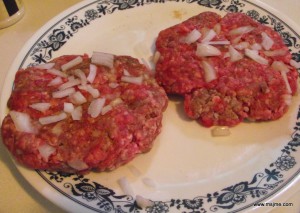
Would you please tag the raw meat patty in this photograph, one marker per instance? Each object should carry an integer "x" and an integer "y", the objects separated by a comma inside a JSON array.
[
  {"x": 107, "y": 111},
  {"x": 233, "y": 69}
]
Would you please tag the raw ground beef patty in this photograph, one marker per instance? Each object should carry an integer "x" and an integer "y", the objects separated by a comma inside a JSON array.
[
  {"x": 78, "y": 114},
  {"x": 228, "y": 69}
]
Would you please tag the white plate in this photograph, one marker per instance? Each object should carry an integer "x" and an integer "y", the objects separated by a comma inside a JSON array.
[{"x": 192, "y": 171}]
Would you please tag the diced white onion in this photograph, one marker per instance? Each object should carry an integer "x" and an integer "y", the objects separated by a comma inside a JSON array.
[
  {"x": 56, "y": 81},
  {"x": 209, "y": 36},
  {"x": 113, "y": 85},
  {"x": 280, "y": 66},
  {"x": 80, "y": 74},
  {"x": 267, "y": 41},
  {"x": 92, "y": 74},
  {"x": 126, "y": 73},
  {"x": 226, "y": 55},
  {"x": 77, "y": 98},
  {"x": 209, "y": 71},
  {"x": 253, "y": 54},
  {"x": 71, "y": 83},
  {"x": 79, "y": 165},
  {"x": 46, "y": 151},
  {"x": 242, "y": 45},
  {"x": 45, "y": 66},
  {"x": 126, "y": 186},
  {"x": 256, "y": 46},
  {"x": 77, "y": 113},
  {"x": 156, "y": 57},
  {"x": 204, "y": 50},
  {"x": 22, "y": 122},
  {"x": 217, "y": 28},
  {"x": 295, "y": 64},
  {"x": 241, "y": 30},
  {"x": 234, "y": 54},
  {"x": 278, "y": 52},
  {"x": 71, "y": 63},
  {"x": 57, "y": 73},
  {"x": 94, "y": 92},
  {"x": 143, "y": 202},
  {"x": 147, "y": 64},
  {"x": 42, "y": 107},
  {"x": 68, "y": 107},
  {"x": 52, "y": 118},
  {"x": 116, "y": 102},
  {"x": 192, "y": 36},
  {"x": 287, "y": 99},
  {"x": 106, "y": 109},
  {"x": 286, "y": 81},
  {"x": 63, "y": 93},
  {"x": 149, "y": 182},
  {"x": 224, "y": 42},
  {"x": 236, "y": 40},
  {"x": 220, "y": 131},
  {"x": 95, "y": 107},
  {"x": 104, "y": 59},
  {"x": 133, "y": 80}
]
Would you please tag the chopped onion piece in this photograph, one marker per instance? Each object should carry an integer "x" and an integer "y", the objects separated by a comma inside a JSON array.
[
  {"x": 126, "y": 73},
  {"x": 253, "y": 54},
  {"x": 295, "y": 64},
  {"x": 234, "y": 54},
  {"x": 278, "y": 52},
  {"x": 57, "y": 72},
  {"x": 207, "y": 50},
  {"x": 209, "y": 71},
  {"x": 63, "y": 93},
  {"x": 143, "y": 202},
  {"x": 106, "y": 109},
  {"x": 56, "y": 81},
  {"x": 224, "y": 42},
  {"x": 68, "y": 107},
  {"x": 77, "y": 113},
  {"x": 80, "y": 74},
  {"x": 156, "y": 57},
  {"x": 71, "y": 63},
  {"x": 217, "y": 28},
  {"x": 146, "y": 63},
  {"x": 133, "y": 80},
  {"x": 242, "y": 45},
  {"x": 79, "y": 165},
  {"x": 22, "y": 121},
  {"x": 104, "y": 59},
  {"x": 236, "y": 40},
  {"x": 280, "y": 66},
  {"x": 287, "y": 99},
  {"x": 192, "y": 36},
  {"x": 113, "y": 85},
  {"x": 46, "y": 151},
  {"x": 267, "y": 41},
  {"x": 116, "y": 102},
  {"x": 42, "y": 107},
  {"x": 52, "y": 118},
  {"x": 286, "y": 81},
  {"x": 92, "y": 74},
  {"x": 77, "y": 98},
  {"x": 71, "y": 83},
  {"x": 94, "y": 92},
  {"x": 256, "y": 46},
  {"x": 125, "y": 186},
  {"x": 220, "y": 131},
  {"x": 95, "y": 107},
  {"x": 241, "y": 30},
  {"x": 149, "y": 182},
  {"x": 226, "y": 55},
  {"x": 209, "y": 36},
  {"x": 45, "y": 66}
]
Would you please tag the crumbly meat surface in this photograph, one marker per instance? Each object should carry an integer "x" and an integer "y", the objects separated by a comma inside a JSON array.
[
  {"x": 242, "y": 89},
  {"x": 128, "y": 126}
]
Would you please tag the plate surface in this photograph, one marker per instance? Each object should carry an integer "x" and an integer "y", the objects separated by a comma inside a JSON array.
[{"x": 187, "y": 170}]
